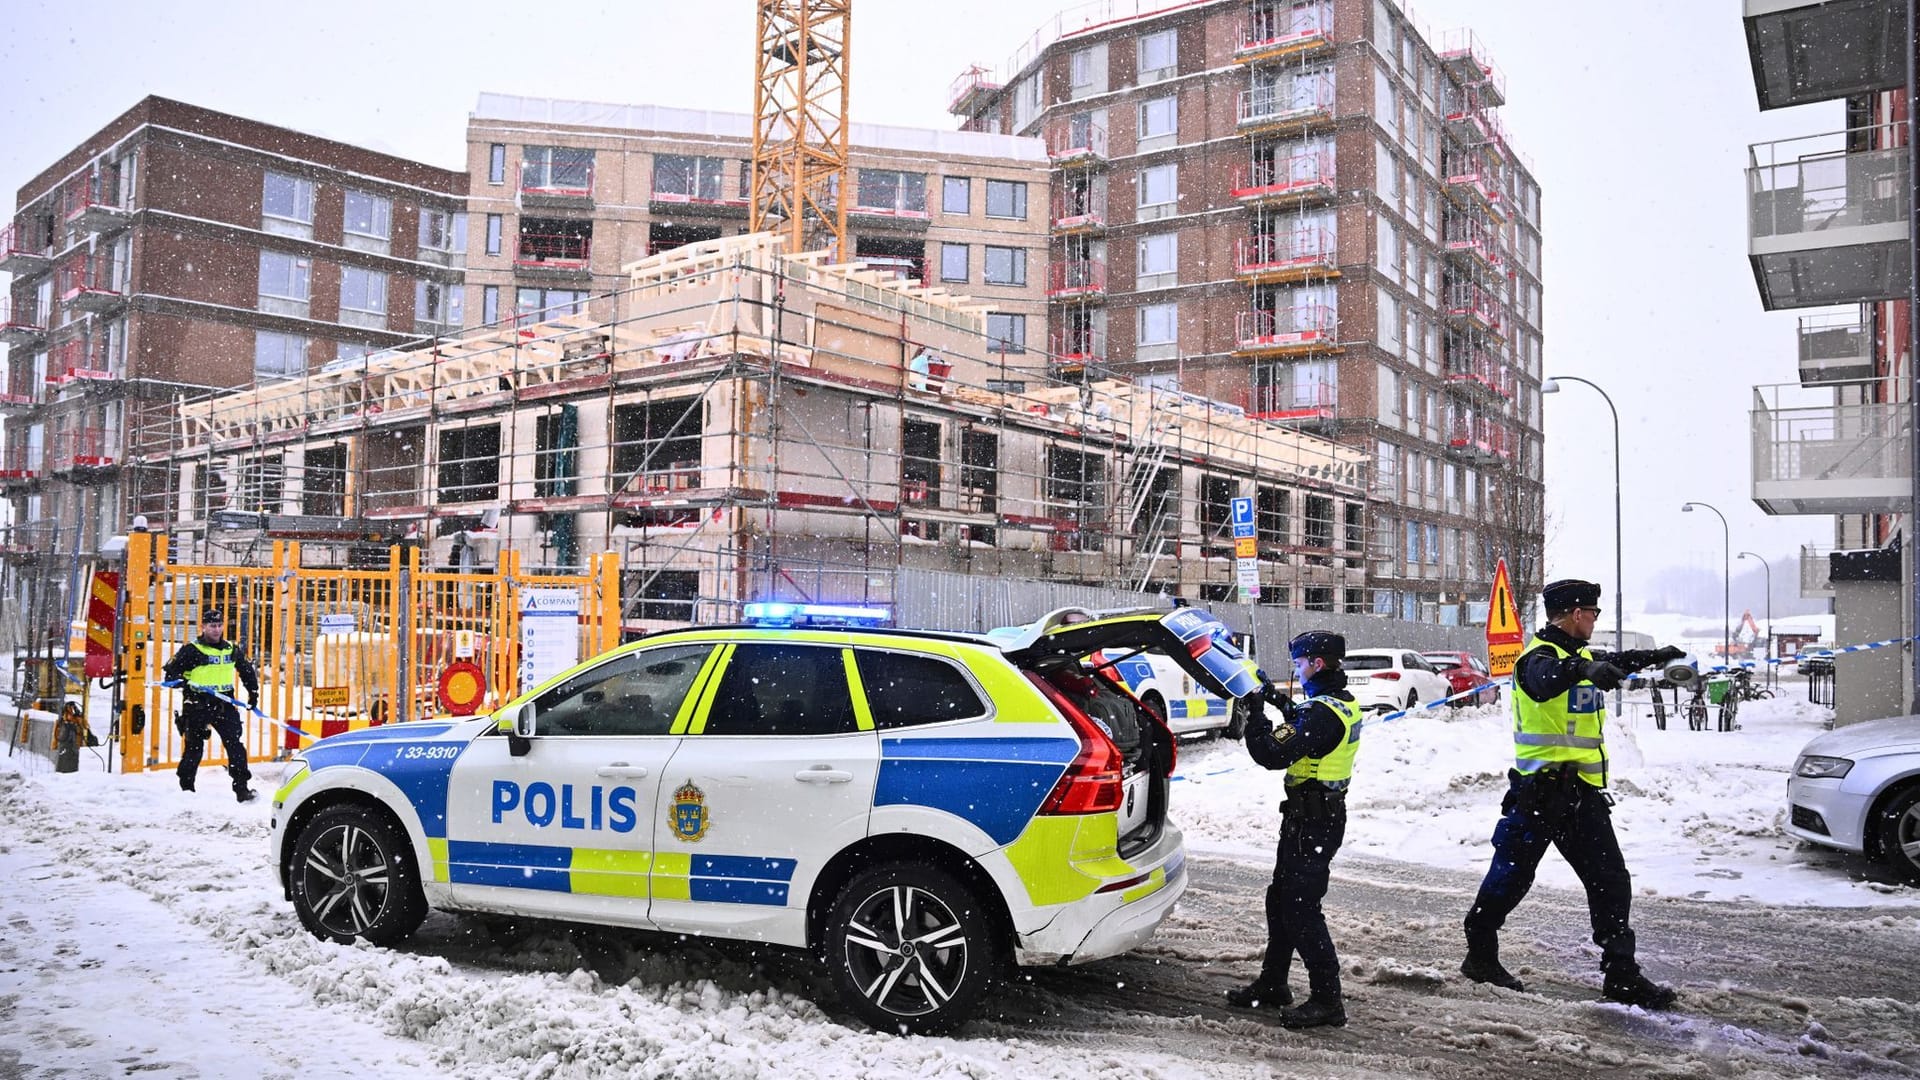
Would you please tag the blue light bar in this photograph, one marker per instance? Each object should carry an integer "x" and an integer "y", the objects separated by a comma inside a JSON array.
[{"x": 771, "y": 613}]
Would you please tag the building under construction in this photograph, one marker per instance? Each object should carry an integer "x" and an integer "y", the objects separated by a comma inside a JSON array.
[{"x": 752, "y": 424}]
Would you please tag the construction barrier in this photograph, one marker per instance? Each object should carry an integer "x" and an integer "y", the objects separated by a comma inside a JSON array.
[{"x": 340, "y": 650}]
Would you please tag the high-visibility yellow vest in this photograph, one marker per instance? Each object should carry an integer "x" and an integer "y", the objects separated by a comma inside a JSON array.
[
  {"x": 215, "y": 670},
  {"x": 1335, "y": 768},
  {"x": 1567, "y": 731}
]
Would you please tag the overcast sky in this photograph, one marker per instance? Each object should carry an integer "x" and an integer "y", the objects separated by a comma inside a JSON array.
[{"x": 1636, "y": 115}]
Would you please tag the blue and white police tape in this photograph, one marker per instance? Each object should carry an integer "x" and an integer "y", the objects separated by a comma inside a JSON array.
[
  {"x": 218, "y": 696},
  {"x": 1816, "y": 654}
]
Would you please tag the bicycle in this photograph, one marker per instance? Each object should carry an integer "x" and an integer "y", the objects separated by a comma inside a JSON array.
[
  {"x": 1743, "y": 686},
  {"x": 1696, "y": 709}
]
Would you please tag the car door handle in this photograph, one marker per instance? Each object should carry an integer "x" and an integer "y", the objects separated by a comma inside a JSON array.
[
  {"x": 823, "y": 774},
  {"x": 620, "y": 770}
]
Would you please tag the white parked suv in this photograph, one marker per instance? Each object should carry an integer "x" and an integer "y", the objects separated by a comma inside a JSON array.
[
  {"x": 1389, "y": 679},
  {"x": 1858, "y": 789}
]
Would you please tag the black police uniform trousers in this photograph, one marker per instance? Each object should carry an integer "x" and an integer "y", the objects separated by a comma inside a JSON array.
[
  {"x": 1313, "y": 822},
  {"x": 1555, "y": 807},
  {"x": 199, "y": 713}
]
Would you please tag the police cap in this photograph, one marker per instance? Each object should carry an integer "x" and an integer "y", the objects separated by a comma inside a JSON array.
[
  {"x": 214, "y": 615},
  {"x": 1322, "y": 643},
  {"x": 1569, "y": 593}
]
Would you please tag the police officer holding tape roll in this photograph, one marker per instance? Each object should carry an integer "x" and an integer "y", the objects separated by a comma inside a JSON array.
[
  {"x": 1557, "y": 795},
  {"x": 212, "y": 663},
  {"x": 1315, "y": 743}
]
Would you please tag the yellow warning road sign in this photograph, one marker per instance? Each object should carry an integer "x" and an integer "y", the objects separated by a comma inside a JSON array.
[
  {"x": 1504, "y": 632},
  {"x": 330, "y": 697}
]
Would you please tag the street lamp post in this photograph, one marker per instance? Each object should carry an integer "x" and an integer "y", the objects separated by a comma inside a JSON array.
[
  {"x": 1769, "y": 568},
  {"x": 1552, "y": 386},
  {"x": 1726, "y": 578}
]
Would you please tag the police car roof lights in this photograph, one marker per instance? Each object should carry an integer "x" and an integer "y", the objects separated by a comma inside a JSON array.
[{"x": 773, "y": 613}]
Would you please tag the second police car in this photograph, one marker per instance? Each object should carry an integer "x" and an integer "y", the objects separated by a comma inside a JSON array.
[{"x": 920, "y": 808}]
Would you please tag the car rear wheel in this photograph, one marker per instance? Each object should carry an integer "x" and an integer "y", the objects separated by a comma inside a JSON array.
[
  {"x": 911, "y": 949},
  {"x": 353, "y": 877},
  {"x": 1413, "y": 698},
  {"x": 1158, "y": 704},
  {"x": 1237, "y": 710},
  {"x": 1899, "y": 827}
]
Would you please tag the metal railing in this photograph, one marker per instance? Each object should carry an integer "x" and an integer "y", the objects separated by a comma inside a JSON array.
[
  {"x": 1305, "y": 247},
  {"x": 1815, "y": 184},
  {"x": 78, "y": 448},
  {"x": 1073, "y": 138},
  {"x": 1315, "y": 401},
  {"x": 1299, "y": 97},
  {"x": 1816, "y": 572},
  {"x": 1835, "y": 346},
  {"x": 1289, "y": 326},
  {"x": 1077, "y": 277},
  {"x": 1079, "y": 207},
  {"x": 553, "y": 251},
  {"x": 21, "y": 318},
  {"x": 1797, "y": 436},
  {"x": 1272, "y": 26},
  {"x": 1077, "y": 348},
  {"x": 84, "y": 275},
  {"x": 1307, "y": 172}
]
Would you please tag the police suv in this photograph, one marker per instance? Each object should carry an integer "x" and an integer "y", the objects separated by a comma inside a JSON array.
[{"x": 919, "y": 808}]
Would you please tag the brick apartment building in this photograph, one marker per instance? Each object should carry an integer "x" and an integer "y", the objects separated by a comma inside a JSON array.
[
  {"x": 178, "y": 249},
  {"x": 1307, "y": 208}
]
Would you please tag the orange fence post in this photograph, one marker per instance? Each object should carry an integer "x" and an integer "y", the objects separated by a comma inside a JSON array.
[{"x": 135, "y": 630}]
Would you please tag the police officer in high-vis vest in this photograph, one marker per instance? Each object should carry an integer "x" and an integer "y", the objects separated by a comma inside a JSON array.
[
  {"x": 1557, "y": 795},
  {"x": 212, "y": 663},
  {"x": 1315, "y": 744}
]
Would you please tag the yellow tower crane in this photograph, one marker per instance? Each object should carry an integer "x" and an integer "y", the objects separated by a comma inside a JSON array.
[{"x": 800, "y": 123}]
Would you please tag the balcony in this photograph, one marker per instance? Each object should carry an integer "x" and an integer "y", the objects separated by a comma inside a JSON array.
[
  {"x": 19, "y": 467},
  {"x": 1821, "y": 50},
  {"x": 1472, "y": 241},
  {"x": 1298, "y": 103},
  {"x": 1303, "y": 178},
  {"x": 1073, "y": 351},
  {"x": 20, "y": 324},
  {"x": 1479, "y": 440},
  {"x": 1077, "y": 279},
  {"x": 77, "y": 362},
  {"x": 1473, "y": 181},
  {"x": 1466, "y": 59},
  {"x": 555, "y": 254},
  {"x": 1827, "y": 222},
  {"x": 1816, "y": 570},
  {"x": 1478, "y": 374},
  {"x": 1465, "y": 117},
  {"x": 1471, "y": 306},
  {"x": 556, "y": 176},
  {"x": 1307, "y": 252},
  {"x": 705, "y": 199},
  {"x": 1079, "y": 209},
  {"x": 18, "y": 257},
  {"x": 81, "y": 454},
  {"x": 87, "y": 204},
  {"x": 88, "y": 283},
  {"x": 1289, "y": 331},
  {"x": 971, "y": 91},
  {"x": 1835, "y": 347},
  {"x": 1813, "y": 454},
  {"x": 1076, "y": 141},
  {"x": 1290, "y": 30},
  {"x": 1309, "y": 407},
  {"x": 18, "y": 397}
]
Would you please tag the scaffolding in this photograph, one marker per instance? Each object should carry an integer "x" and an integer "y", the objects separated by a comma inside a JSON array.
[{"x": 752, "y": 424}]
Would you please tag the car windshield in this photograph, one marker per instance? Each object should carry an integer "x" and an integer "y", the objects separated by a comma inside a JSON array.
[
  {"x": 1367, "y": 663},
  {"x": 1442, "y": 660}
]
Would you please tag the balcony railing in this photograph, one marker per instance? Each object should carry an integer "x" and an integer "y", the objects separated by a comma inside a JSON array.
[
  {"x": 1079, "y": 209},
  {"x": 17, "y": 256},
  {"x": 1823, "y": 50},
  {"x": 1467, "y": 237},
  {"x": 1077, "y": 278},
  {"x": 88, "y": 282},
  {"x": 1478, "y": 373},
  {"x": 1302, "y": 252},
  {"x": 1828, "y": 222},
  {"x": 553, "y": 251},
  {"x": 1471, "y": 305},
  {"x": 78, "y": 361},
  {"x": 1298, "y": 99},
  {"x": 1306, "y": 175},
  {"x": 1076, "y": 350},
  {"x": 1285, "y": 30},
  {"x": 1466, "y": 59},
  {"x": 79, "y": 450},
  {"x": 1300, "y": 404},
  {"x": 970, "y": 91},
  {"x": 1813, "y": 454},
  {"x": 86, "y": 203},
  {"x": 20, "y": 324},
  {"x": 1071, "y": 140},
  {"x": 1835, "y": 347},
  {"x": 1295, "y": 329},
  {"x": 1816, "y": 573},
  {"x": 571, "y": 179},
  {"x": 1479, "y": 439}
]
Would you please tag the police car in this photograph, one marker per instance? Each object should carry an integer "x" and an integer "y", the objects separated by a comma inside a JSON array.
[
  {"x": 1164, "y": 686},
  {"x": 920, "y": 808}
]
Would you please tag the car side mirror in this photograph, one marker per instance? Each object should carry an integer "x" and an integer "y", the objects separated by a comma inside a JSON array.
[{"x": 520, "y": 730}]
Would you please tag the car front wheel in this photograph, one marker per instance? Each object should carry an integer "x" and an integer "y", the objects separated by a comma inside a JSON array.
[
  {"x": 1899, "y": 826},
  {"x": 910, "y": 948},
  {"x": 353, "y": 877}
]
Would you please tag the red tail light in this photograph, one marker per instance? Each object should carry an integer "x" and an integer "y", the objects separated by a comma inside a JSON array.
[
  {"x": 1091, "y": 785},
  {"x": 1390, "y": 676},
  {"x": 1199, "y": 645}
]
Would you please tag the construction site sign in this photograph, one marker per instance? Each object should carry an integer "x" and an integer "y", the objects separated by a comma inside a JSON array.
[
  {"x": 1505, "y": 636},
  {"x": 549, "y": 633},
  {"x": 103, "y": 606},
  {"x": 331, "y": 697},
  {"x": 1245, "y": 550}
]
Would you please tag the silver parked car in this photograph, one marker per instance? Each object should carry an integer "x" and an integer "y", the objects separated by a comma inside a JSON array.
[{"x": 1858, "y": 789}]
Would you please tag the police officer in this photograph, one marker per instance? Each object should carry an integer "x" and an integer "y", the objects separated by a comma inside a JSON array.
[
  {"x": 1557, "y": 795},
  {"x": 212, "y": 663},
  {"x": 1315, "y": 744}
]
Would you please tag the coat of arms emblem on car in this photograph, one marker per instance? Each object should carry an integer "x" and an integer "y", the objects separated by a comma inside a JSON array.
[{"x": 688, "y": 813}]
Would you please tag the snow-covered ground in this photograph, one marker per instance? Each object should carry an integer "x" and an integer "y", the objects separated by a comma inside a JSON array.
[{"x": 144, "y": 932}]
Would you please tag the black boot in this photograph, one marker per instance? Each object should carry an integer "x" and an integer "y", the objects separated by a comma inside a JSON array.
[
  {"x": 1317, "y": 1011},
  {"x": 242, "y": 793},
  {"x": 1261, "y": 993},
  {"x": 1634, "y": 988},
  {"x": 1483, "y": 966},
  {"x": 186, "y": 783}
]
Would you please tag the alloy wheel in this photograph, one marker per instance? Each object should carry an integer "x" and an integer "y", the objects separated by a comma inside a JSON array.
[
  {"x": 907, "y": 951},
  {"x": 347, "y": 878}
]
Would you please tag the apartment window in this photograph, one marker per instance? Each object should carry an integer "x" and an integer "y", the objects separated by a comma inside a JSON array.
[
  {"x": 561, "y": 170},
  {"x": 278, "y": 356},
  {"x": 539, "y": 304},
  {"x": 1159, "y": 324},
  {"x": 1159, "y": 258},
  {"x": 956, "y": 195},
  {"x": 953, "y": 262},
  {"x": 470, "y": 464},
  {"x": 1006, "y": 333},
  {"x": 323, "y": 481},
  {"x": 1388, "y": 310},
  {"x": 1270, "y": 515},
  {"x": 683, "y": 177},
  {"x": 1157, "y": 186},
  {"x": 1159, "y": 118},
  {"x": 363, "y": 297},
  {"x": 1006, "y": 266},
  {"x": 1081, "y": 71},
  {"x": 892, "y": 192},
  {"x": 496, "y": 164},
  {"x": 436, "y": 306},
  {"x": 443, "y": 230},
  {"x": 368, "y": 215},
  {"x": 495, "y": 225},
  {"x": 1159, "y": 55},
  {"x": 286, "y": 206},
  {"x": 284, "y": 283},
  {"x": 1007, "y": 199},
  {"x": 490, "y": 305}
]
